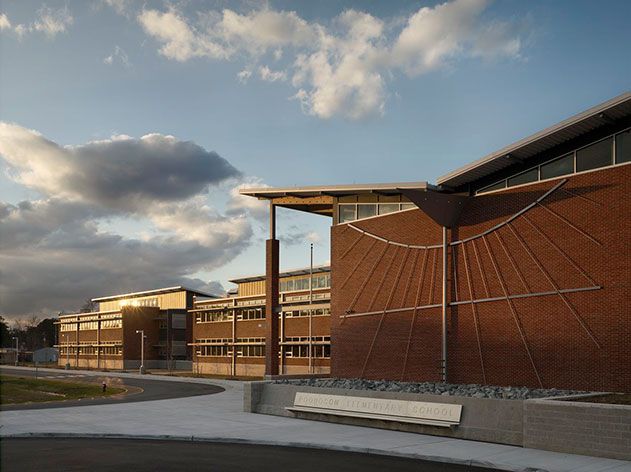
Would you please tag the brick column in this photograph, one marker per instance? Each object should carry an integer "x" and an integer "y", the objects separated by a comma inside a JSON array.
[{"x": 272, "y": 251}]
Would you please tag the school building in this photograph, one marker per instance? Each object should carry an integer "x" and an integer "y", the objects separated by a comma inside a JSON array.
[
  {"x": 107, "y": 338},
  {"x": 229, "y": 334},
  {"x": 512, "y": 270}
]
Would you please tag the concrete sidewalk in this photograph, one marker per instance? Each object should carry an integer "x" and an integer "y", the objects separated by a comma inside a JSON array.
[{"x": 220, "y": 417}]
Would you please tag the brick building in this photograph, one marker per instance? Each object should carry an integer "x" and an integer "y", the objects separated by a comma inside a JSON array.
[
  {"x": 229, "y": 333},
  {"x": 107, "y": 338},
  {"x": 513, "y": 270}
]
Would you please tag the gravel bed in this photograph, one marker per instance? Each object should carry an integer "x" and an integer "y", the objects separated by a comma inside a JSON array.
[{"x": 434, "y": 388}]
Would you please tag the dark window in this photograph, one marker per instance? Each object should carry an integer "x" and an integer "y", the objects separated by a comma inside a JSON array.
[
  {"x": 529, "y": 176},
  {"x": 496, "y": 186},
  {"x": 365, "y": 211},
  {"x": 595, "y": 155},
  {"x": 561, "y": 166},
  {"x": 623, "y": 147}
]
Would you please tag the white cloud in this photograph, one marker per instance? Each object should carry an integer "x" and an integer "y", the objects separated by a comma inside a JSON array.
[
  {"x": 180, "y": 41},
  {"x": 338, "y": 69},
  {"x": 268, "y": 75},
  {"x": 244, "y": 75},
  {"x": 243, "y": 205},
  {"x": 4, "y": 22},
  {"x": 121, "y": 7},
  {"x": 53, "y": 247},
  {"x": 50, "y": 22},
  {"x": 119, "y": 55}
]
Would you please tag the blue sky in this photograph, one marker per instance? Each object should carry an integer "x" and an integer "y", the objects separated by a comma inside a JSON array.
[{"x": 411, "y": 95}]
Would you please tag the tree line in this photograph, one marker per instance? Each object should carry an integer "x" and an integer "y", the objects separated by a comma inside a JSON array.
[{"x": 33, "y": 333}]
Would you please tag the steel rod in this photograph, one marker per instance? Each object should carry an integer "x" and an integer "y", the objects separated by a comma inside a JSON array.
[
  {"x": 444, "y": 307},
  {"x": 367, "y": 279},
  {"x": 353, "y": 244},
  {"x": 364, "y": 256},
  {"x": 555, "y": 287},
  {"x": 567, "y": 258},
  {"x": 513, "y": 311},
  {"x": 388, "y": 301},
  {"x": 480, "y": 300},
  {"x": 474, "y": 311},
  {"x": 512, "y": 261},
  {"x": 570, "y": 224},
  {"x": 482, "y": 275},
  {"x": 417, "y": 299}
]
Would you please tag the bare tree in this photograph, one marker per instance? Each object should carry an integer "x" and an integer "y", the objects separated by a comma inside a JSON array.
[{"x": 87, "y": 307}]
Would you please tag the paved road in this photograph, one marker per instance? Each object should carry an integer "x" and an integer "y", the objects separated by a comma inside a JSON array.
[
  {"x": 144, "y": 455},
  {"x": 140, "y": 389}
]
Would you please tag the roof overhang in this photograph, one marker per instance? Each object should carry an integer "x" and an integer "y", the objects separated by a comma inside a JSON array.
[
  {"x": 158, "y": 291},
  {"x": 319, "y": 199},
  {"x": 596, "y": 117},
  {"x": 287, "y": 273}
]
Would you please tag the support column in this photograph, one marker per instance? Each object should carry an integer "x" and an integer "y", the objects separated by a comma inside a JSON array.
[
  {"x": 444, "y": 308},
  {"x": 272, "y": 254}
]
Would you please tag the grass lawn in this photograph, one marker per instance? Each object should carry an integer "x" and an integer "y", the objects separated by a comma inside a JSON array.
[{"x": 28, "y": 389}]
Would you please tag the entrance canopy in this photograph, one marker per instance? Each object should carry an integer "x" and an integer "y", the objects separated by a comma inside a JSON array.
[{"x": 320, "y": 199}]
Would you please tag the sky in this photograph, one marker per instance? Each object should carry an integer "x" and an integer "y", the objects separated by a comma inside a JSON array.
[{"x": 128, "y": 127}]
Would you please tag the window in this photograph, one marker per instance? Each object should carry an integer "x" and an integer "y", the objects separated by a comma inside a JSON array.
[
  {"x": 357, "y": 211},
  {"x": 623, "y": 147},
  {"x": 306, "y": 311},
  {"x": 529, "y": 176},
  {"x": 562, "y": 166},
  {"x": 250, "y": 314},
  {"x": 347, "y": 213},
  {"x": 366, "y": 210},
  {"x": 496, "y": 186},
  {"x": 385, "y": 208},
  {"x": 299, "y": 347},
  {"x": 595, "y": 155},
  {"x": 213, "y": 316}
]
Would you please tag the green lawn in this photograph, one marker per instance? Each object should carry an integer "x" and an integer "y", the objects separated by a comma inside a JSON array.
[{"x": 28, "y": 389}]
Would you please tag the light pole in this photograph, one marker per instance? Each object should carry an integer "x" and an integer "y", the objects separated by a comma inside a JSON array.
[
  {"x": 311, "y": 311},
  {"x": 67, "y": 351},
  {"x": 142, "y": 350},
  {"x": 17, "y": 349}
]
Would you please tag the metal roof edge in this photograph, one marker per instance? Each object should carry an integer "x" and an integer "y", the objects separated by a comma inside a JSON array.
[
  {"x": 156, "y": 291},
  {"x": 286, "y": 273},
  {"x": 600, "y": 108}
]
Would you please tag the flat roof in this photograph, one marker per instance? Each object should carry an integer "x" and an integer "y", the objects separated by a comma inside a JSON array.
[
  {"x": 287, "y": 273},
  {"x": 331, "y": 190},
  {"x": 573, "y": 127},
  {"x": 157, "y": 291}
]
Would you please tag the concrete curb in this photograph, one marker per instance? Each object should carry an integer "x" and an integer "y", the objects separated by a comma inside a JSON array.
[
  {"x": 226, "y": 384},
  {"x": 361, "y": 450}
]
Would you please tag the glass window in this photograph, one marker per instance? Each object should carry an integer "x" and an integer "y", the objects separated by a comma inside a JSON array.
[
  {"x": 385, "y": 208},
  {"x": 347, "y": 213},
  {"x": 561, "y": 166},
  {"x": 496, "y": 186},
  {"x": 407, "y": 206},
  {"x": 596, "y": 155},
  {"x": 529, "y": 176},
  {"x": 623, "y": 147},
  {"x": 366, "y": 210}
]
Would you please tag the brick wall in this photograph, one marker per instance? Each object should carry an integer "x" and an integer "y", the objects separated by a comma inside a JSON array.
[{"x": 577, "y": 341}]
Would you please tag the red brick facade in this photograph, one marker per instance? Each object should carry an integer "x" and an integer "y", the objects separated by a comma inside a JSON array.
[{"x": 579, "y": 237}]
